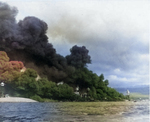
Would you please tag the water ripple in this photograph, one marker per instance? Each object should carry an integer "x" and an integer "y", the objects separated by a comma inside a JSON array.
[{"x": 49, "y": 112}]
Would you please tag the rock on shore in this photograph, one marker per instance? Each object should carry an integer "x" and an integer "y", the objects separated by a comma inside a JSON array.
[{"x": 16, "y": 99}]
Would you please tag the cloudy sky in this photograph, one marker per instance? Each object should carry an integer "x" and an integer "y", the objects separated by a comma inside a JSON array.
[{"x": 116, "y": 33}]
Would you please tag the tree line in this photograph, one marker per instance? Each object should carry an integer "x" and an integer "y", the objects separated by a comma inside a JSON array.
[{"x": 91, "y": 86}]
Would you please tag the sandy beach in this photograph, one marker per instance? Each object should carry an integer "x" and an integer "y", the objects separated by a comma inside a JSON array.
[{"x": 16, "y": 99}]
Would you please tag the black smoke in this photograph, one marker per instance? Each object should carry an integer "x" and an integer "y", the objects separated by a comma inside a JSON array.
[
  {"x": 27, "y": 41},
  {"x": 79, "y": 57},
  {"x": 7, "y": 20}
]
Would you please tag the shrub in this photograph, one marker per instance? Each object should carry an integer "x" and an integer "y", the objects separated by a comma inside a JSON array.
[
  {"x": 37, "y": 98},
  {"x": 63, "y": 92}
]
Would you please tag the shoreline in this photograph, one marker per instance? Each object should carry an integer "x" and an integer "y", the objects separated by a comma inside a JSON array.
[{"x": 15, "y": 99}]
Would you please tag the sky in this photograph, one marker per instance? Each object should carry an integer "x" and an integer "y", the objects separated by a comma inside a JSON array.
[{"x": 116, "y": 33}]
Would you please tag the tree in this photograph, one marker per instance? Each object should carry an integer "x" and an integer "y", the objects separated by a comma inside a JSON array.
[
  {"x": 84, "y": 78},
  {"x": 9, "y": 70},
  {"x": 113, "y": 94},
  {"x": 64, "y": 92},
  {"x": 26, "y": 82},
  {"x": 106, "y": 82},
  {"x": 100, "y": 83},
  {"x": 92, "y": 93},
  {"x": 101, "y": 77},
  {"x": 47, "y": 88}
]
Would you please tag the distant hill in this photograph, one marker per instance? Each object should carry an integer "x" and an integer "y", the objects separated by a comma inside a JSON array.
[{"x": 143, "y": 90}]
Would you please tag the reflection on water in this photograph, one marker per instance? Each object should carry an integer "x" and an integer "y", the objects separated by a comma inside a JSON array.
[
  {"x": 28, "y": 112},
  {"x": 49, "y": 112},
  {"x": 139, "y": 113}
]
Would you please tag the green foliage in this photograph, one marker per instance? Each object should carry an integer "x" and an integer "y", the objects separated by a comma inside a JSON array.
[
  {"x": 27, "y": 85},
  {"x": 78, "y": 75},
  {"x": 46, "y": 88},
  {"x": 37, "y": 98},
  {"x": 63, "y": 92},
  {"x": 101, "y": 77},
  {"x": 106, "y": 82},
  {"x": 92, "y": 93},
  {"x": 30, "y": 73},
  {"x": 26, "y": 78},
  {"x": 114, "y": 95},
  {"x": 84, "y": 78},
  {"x": 121, "y": 96}
]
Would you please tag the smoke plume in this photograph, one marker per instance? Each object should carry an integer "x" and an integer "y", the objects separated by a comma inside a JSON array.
[
  {"x": 27, "y": 41},
  {"x": 79, "y": 56}
]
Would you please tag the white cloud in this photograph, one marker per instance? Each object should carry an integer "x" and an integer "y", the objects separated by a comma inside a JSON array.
[
  {"x": 117, "y": 70},
  {"x": 121, "y": 79}
]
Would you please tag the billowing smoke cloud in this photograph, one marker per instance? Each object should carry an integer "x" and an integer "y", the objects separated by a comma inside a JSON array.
[
  {"x": 116, "y": 33},
  {"x": 79, "y": 56},
  {"x": 27, "y": 41},
  {"x": 7, "y": 20}
]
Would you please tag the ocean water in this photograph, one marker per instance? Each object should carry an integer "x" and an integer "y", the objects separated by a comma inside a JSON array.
[
  {"x": 139, "y": 113},
  {"x": 49, "y": 112},
  {"x": 29, "y": 112}
]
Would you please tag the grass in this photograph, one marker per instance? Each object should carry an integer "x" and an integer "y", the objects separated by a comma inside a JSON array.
[
  {"x": 94, "y": 108},
  {"x": 49, "y": 100},
  {"x": 137, "y": 96}
]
